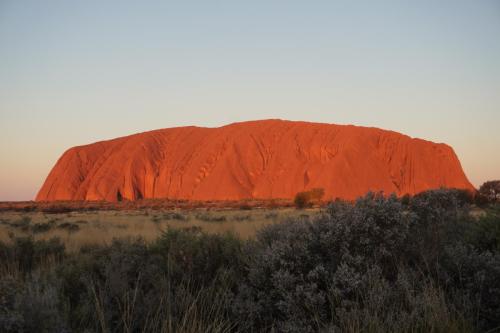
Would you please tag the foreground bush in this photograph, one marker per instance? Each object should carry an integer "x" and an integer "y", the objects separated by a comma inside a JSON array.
[
  {"x": 373, "y": 266},
  {"x": 180, "y": 283},
  {"x": 491, "y": 190},
  {"x": 421, "y": 264}
]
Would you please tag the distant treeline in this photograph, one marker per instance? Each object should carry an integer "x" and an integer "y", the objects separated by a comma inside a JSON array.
[{"x": 427, "y": 263}]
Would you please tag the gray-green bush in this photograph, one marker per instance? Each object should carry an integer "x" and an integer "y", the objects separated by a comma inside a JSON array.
[
  {"x": 422, "y": 264},
  {"x": 375, "y": 265}
]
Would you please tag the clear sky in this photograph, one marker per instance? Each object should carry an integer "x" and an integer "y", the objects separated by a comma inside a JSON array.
[{"x": 75, "y": 72}]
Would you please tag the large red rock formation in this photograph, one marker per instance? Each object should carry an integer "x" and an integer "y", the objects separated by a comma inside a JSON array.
[{"x": 256, "y": 159}]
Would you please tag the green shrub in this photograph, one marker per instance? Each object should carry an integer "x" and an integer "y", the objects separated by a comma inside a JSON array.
[
  {"x": 271, "y": 215},
  {"x": 308, "y": 198},
  {"x": 380, "y": 264},
  {"x": 33, "y": 306},
  {"x": 41, "y": 227},
  {"x": 22, "y": 223},
  {"x": 475, "y": 273},
  {"x": 198, "y": 255},
  {"x": 206, "y": 217},
  {"x": 27, "y": 254},
  {"x": 169, "y": 216},
  {"x": 302, "y": 200},
  {"x": 70, "y": 227},
  {"x": 491, "y": 190},
  {"x": 296, "y": 265},
  {"x": 184, "y": 279},
  {"x": 375, "y": 265},
  {"x": 484, "y": 232},
  {"x": 240, "y": 218}
]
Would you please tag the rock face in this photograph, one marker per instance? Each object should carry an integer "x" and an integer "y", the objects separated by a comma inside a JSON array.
[{"x": 256, "y": 159}]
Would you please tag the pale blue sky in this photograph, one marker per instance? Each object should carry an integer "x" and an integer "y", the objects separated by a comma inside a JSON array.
[{"x": 74, "y": 72}]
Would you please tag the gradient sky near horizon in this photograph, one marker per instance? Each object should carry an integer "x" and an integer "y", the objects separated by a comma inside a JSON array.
[{"x": 75, "y": 72}]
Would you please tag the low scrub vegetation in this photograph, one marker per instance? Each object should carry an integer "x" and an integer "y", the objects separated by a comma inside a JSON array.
[
  {"x": 490, "y": 191},
  {"x": 422, "y": 264},
  {"x": 81, "y": 228},
  {"x": 308, "y": 198}
]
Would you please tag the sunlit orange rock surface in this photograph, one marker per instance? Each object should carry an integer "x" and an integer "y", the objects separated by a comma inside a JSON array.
[{"x": 256, "y": 159}]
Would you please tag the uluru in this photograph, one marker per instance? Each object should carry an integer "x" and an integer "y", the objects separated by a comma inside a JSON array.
[{"x": 261, "y": 159}]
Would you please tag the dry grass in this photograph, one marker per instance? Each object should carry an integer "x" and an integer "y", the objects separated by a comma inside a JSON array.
[{"x": 80, "y": 228}]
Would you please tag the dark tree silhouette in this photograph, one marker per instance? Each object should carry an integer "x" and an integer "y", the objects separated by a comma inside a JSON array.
[{"x": 491, "y": 190}]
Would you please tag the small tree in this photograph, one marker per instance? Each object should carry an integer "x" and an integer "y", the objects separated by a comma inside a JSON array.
[
  {"x": 302, "y": 200},
  {"x": 307, "y": 198},
  {"x": 316, "y": 194},
  {"x": 491, "y": 190}
]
